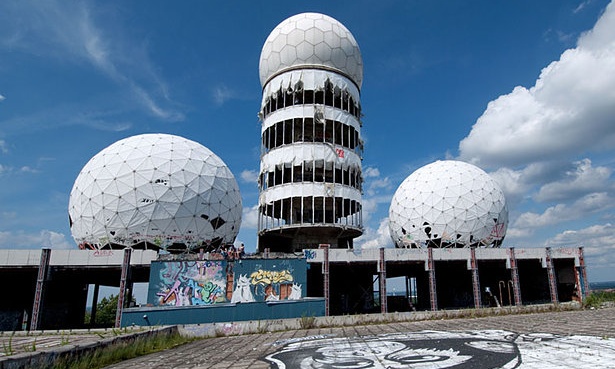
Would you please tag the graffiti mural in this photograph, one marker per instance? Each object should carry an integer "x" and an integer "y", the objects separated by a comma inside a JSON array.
[
  {"x": 270, "y": 280},
  {"x": 206, "y": 282},
  {"x": 436, "y": 349},
  {"x": 242, "y": 292},
  {"x": 186, "y": 283}
]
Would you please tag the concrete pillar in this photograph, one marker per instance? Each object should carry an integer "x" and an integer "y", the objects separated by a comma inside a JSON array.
[
  {"x": 475, "y": 279},
  {"x": 123, "y": 283},
  {"x": 551, "y": 274},
  {"x": 514, "y": 276},
  {"x": 382, "y": 275},
  {"x": 584, "y": 285},
  {"x": 41, "y": 279},
  {"x": 431, "y": 269},
  {"x": 325, "y": 272}
]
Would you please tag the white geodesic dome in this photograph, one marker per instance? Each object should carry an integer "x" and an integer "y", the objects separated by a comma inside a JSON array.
[
  {"x": 155, "y": 190},
  {"x": 448, "y": 204},
  {"x": 311, "y": 40}
]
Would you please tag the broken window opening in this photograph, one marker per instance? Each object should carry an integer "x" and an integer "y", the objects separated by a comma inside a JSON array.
[
  {"x": 309, "y": 130},
  {"x": 330, "y": 96}
]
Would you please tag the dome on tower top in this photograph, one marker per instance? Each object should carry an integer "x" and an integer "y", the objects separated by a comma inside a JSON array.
[{"x": 311, "y": 40}]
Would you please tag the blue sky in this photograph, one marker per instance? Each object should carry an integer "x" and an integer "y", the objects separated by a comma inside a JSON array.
[{"x": 523, "y": 89}]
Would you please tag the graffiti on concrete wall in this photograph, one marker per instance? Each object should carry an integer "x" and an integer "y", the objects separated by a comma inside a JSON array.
[
  {"x": 266, "y": 280},
  {"x": 437, "y": 349},
  {"x": 185, "y": 283},
  {"x": 206, "y": 282},
  {"x": 242, "y": 292},
  {"x": 268, "y": 285}
]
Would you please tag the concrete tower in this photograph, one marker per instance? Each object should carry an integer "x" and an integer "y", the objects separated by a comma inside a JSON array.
[{"x": 310, "y": 178}]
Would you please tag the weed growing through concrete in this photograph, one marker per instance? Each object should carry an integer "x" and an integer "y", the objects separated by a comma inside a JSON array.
[
  {"x": 8, "y": 348},
  {"x": 30, "y": 348},
  {"x": 307, "y": 322}
]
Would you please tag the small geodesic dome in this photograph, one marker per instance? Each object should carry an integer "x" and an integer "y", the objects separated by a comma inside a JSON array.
[
  {"x": 311, "y": 40},
  {"x": 155, "y": 191},
  {"x": 448, "y": 204}
]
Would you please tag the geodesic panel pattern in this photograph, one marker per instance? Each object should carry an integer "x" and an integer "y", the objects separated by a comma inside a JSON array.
[
  {"x": 155, "y": 188},
  {"x": 448, "y": 203},
  {"x": 311, "y": 39}
]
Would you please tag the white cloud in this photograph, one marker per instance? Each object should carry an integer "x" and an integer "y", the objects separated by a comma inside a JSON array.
[
  {"x": 249, "y": 176},
  {"x": 582, "y": 180},
  {"x": 581, "y": 6},
  {"x": 2, "y": 98},
  {"x": 71, "y": 33},
  {"x": 25, "y": 240},
  {"x": 370, "y": 172},
  {"x": 222, "y": 94},
  {"x": 569, "y": 110},
  {"x": 519, "y": 184},
  {"x": 3, "y": 147},
  {"x": 27, "y": 169},
  {"x": 374, "y": 184},
  {"x": 249, "y": 217},
  {"x": 378, "y": 238},
  {"x": 512, "y": 183},
  {"x": 598, "y": 242},
  {"x": 588, "y": 204},
  {"x": 371, "y": 205}
]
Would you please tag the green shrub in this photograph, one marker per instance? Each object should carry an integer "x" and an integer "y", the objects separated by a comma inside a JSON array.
[{"x": 596, "y": 299}]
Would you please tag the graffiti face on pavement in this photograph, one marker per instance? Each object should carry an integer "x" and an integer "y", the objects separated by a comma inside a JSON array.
[{"x": 435, "y": 349}]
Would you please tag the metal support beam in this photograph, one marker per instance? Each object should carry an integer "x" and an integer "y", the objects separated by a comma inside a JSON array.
[
  {"x": 382, "y": 272},
  {"x": 475, "y": 279},
  {"x": 123, "y": 283},
  {"x": 43, "y": 270},
  {"x": 514, "y": 276},
  {"x": 431, "y": 269},
  {"x": 325, "y": 272},
  {"x": 551, "y": 274}
]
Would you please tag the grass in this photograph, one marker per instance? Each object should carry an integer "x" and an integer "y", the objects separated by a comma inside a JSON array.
[
  {"x": 307, "y": 322},
  {"x": 597, "y": 299},
  {"x": 104, "y": 356},
  {"x": 8, "y": 348}
]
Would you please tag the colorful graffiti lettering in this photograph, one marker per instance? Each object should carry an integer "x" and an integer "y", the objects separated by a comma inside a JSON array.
[
  {"x": 192, "y": 283},
  {"x": 266, "y": 277}
]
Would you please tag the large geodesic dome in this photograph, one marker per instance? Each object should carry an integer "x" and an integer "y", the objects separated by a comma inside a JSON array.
[
  {"x": 448, "y": 204},
  {"x": 311, "y": 40},
  {"x": 155, "y": 191}
]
